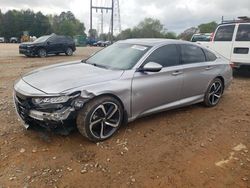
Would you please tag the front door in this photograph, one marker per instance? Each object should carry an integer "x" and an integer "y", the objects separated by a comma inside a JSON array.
[{"x": 155, "y": 91}]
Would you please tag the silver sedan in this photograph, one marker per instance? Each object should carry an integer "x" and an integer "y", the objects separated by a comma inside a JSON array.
[{"x": 125, "y": 81}]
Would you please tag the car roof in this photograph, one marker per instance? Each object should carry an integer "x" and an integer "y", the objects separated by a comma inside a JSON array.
[{"x": 153, "y": 41}]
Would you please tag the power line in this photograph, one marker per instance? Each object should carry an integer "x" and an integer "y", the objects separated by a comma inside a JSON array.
[{"x": 105, "y": 6}]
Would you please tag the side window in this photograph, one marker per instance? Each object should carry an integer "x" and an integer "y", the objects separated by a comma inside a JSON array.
[
  {"x": 166, "y": 56},
  {"x": 209, "y": 55},
  {"x": 191, "y": 54},
  {"x": 224, "y": 33},
  {"x": 243, "y": 33},
  {"x": 54, "y": 39}
]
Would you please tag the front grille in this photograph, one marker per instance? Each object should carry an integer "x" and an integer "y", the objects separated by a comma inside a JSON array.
[{"x": 22, "y": 105}]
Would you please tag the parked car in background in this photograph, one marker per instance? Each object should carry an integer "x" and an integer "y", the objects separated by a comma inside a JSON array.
[
  {"x": 232, "y": 40},
  {"x": 91, "y": 41},
  {"x": 2, "y": 40},
  {"x": 13, "y": 40},
  {"x": 125, "y": 81},
  {"x": 201, "y": 37},
  {"x": 101, "y": 43},
  {"x": 48, "y": 44}
]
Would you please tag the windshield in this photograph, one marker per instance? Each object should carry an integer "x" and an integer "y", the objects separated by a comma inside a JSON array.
[
  {"x": 42, "y": 39},
  {"x": 118, "y": 56}
]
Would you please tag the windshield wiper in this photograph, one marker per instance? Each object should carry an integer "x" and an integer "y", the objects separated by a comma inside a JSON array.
[
  {"x": 98, "y": 65},
  {"x": 94, "y": 64}
]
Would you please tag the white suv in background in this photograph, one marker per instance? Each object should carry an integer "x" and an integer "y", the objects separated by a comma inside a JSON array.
[{"x": 232, "y": 40}]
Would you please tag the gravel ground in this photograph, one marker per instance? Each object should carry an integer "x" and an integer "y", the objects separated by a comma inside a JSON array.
[{"x": 188, "y": 147}]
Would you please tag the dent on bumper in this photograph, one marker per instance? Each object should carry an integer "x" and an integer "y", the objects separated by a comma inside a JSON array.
[{"x": 60, "y": 115}]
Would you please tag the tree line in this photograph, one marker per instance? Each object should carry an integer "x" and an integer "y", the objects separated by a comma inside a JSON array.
[{"x": 14, "y": 22}]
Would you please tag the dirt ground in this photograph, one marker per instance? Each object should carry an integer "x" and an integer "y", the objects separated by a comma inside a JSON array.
[{"x": 188, "y": 147}]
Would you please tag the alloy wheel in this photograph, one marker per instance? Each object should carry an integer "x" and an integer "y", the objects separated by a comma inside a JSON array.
[
  {"x": 105, "y": 120},
  {"x": 215, "y": 92},
  {"x": 42, "y": 53}
]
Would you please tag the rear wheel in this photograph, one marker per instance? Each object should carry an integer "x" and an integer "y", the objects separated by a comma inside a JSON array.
[
  {"x": 100, "y": 118},
  {"x": 69, "y": 52},
  {"x": 42, "y": 52},
  {"x": 214, "y": 93}
]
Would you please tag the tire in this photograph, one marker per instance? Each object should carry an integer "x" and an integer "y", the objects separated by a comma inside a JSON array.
[
  {"x": 69, "y": 51},
  {"x": 42, "y": 53},
  {"x": 214, "y": 93},
  {"x": 100, "y": 118}
]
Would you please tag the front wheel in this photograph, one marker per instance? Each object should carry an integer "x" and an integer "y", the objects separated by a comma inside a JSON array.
[
  {"x": 214, "y": 93},
  {"x": 42, "y": 52},
  {"x": 100, "y": 118}
]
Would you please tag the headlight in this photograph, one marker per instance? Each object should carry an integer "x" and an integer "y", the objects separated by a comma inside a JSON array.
[{"x": 51, "y": 100}]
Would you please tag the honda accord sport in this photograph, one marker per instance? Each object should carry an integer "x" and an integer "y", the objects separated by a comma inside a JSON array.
[{"x": 125, "y": 81}]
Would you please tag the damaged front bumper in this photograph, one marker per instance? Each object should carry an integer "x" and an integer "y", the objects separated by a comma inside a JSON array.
[
  {"x": 59, "y": 115},
  {"x": 49, "y": 117}
]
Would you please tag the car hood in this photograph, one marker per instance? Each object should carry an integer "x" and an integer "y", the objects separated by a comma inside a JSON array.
[
  {"x": 66, "y": 76},
  {"x": 30, "y": 43}
]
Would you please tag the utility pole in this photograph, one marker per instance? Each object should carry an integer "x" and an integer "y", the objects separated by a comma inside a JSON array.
[
  {"x": 91, "y": 26},
  {"x": 102, "y": 8}
]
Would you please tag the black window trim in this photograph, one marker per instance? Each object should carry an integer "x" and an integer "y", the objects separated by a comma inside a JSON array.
[{"x": 208, "y": 60}]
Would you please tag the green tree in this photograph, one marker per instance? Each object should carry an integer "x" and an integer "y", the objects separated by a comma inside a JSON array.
[
  {"x": 93, "y": 34},
  {"x": 67, "y": 24},
  {"x": 41, "y": 26},
  {"x": 207, "y": 27},
  {"x": 148, "y": 28},
  {"x": 170, "y": 35},
  {"x": 188, "y": 33},
  {"x": 125, "y": 34},
  {"x": 1, "y": 22}
]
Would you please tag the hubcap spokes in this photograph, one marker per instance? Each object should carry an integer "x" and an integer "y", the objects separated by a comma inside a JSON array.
[
  {"x": 215, "y": 93},
  {"x": 104, "y": 120}
]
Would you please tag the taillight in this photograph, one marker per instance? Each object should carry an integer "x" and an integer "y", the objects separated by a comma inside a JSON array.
[
  {"x": 212, "y": 37},
  {"x": 232, "y": 65}
]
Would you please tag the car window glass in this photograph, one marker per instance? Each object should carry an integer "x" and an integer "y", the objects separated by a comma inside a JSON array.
[
  {"x": 243, "y": 33},
  {"x": 54, "y": 40},
  {"x": 209, "y": 55},
  {"x": 224, "y": 33},
  {"x": 191, "y": 54},
  {"x": 166, "y": 56}
]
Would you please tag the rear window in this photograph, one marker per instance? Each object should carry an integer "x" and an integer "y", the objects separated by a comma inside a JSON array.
[
  {"x": 224, "y": 33},
  {"x": 196, "y": 38},
  {"x": 209, "y": 55},
  {"x": 243, "y": 33},
  {"x": 191, "y": 54}
]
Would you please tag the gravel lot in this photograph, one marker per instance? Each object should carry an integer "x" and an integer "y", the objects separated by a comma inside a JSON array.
[{"x": 188, "y": 147}]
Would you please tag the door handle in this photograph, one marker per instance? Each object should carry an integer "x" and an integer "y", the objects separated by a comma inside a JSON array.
[
  {"x": 209, "y": 67},
  {"x": 176, "y": 73}
]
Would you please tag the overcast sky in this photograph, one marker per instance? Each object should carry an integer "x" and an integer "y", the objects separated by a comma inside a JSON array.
[{"x": 176, "y": 15}]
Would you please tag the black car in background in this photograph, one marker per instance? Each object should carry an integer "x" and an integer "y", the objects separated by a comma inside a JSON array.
[{"x": 48, "y": 44}]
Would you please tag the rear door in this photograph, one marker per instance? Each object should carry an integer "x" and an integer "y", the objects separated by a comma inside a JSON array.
[
  {"x": 223, "y": 40},
  {"x": 155, "y": 91},
  {"x": 241, "y": 46},
  {"x": 198, "y": 71}
]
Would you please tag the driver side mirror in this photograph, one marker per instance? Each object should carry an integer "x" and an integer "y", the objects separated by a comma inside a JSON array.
[{"x": 150, "y": 67}]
